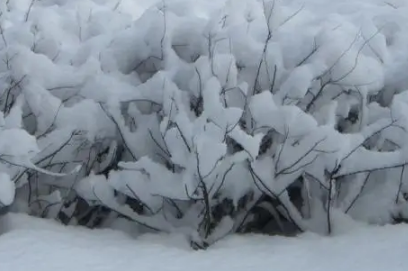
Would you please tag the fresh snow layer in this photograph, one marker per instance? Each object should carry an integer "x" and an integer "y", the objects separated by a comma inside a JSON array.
[
  {"x": 38, "y": 245},
  {"x": 32, "y": 244},
  {"x": 7, "y": 190}
]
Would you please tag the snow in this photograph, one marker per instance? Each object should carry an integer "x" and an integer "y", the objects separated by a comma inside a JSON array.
[
  {"x": 169, "y": 103},
  {"x": 7, "y": 190},
  {"x": 27, "y": 243}
]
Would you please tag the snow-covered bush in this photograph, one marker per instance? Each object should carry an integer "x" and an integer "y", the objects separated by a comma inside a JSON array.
[{"x": 251, "y": 117}]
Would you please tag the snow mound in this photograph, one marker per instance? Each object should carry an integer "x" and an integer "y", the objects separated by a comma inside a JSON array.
[{"x": 186, "y": 116}]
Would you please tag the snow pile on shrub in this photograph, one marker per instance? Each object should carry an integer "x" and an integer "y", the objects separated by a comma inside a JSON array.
[{"x": 204, "y": 118}]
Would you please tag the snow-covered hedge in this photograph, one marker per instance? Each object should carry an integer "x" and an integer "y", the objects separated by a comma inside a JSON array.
[{"x": 202, "y": 118}]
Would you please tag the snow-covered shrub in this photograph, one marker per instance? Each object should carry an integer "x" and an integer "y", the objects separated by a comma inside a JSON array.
[{"x": 194, "y": 123}]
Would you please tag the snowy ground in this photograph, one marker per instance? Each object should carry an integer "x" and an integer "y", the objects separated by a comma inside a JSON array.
[{"x": 32, "y": 244}]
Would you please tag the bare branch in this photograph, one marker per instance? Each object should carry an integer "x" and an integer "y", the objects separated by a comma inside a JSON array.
[
  {"x": 27, "y": 15},
  {"x": 359, "y": 193},
  {"x": 309, "y": 151},
  {"x": 119, "y": 130}
]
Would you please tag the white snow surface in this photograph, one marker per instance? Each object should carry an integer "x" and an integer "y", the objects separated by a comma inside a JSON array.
[
  {"x": 7, "y": 189},
  {"x": 28, "y": 243},
  {"x": 63, "y": 44}
]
